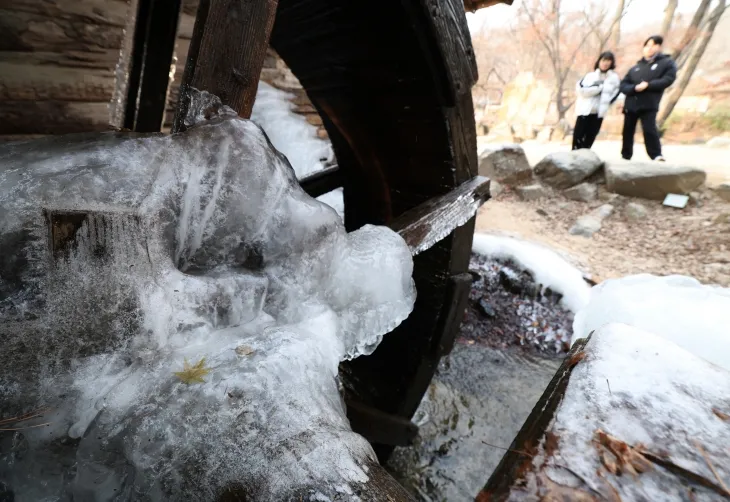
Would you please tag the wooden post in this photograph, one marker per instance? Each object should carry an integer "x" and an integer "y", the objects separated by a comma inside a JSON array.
[
  {"x": 226, "y": 53},
  {"x": 149, "y": 74}
]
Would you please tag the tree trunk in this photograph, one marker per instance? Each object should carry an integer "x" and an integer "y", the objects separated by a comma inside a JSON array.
[
  {"x": 615, "y": 38},
  {"x": 669, "y": 17},
  {"x": 688, "y": 70},
  {"x": 692, "y": 30}
]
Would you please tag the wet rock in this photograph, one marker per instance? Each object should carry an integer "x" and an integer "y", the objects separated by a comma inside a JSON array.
[
  {"x": 485, "y": 308},
  {"x": 652, "y": 180},
  {"x": 723, "y": 190},
  {"x": 532, "y": 192},
  {"x": 589, "y": 224},
  {"x": 505, "y": 164},
  {"x": 525, "y": 314},
  {"x": 584, "y": 192},
  {"x": 566, "y": 169},
  {"x": 635, "y": 211}
]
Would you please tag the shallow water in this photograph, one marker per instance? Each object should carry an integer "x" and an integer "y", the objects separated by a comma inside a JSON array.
[{"x": 479, "y": 395}]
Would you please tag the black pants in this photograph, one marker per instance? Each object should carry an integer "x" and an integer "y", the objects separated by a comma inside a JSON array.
[
  {"x": 651, "y": 134},
  {"x": 586, "y": 130}
]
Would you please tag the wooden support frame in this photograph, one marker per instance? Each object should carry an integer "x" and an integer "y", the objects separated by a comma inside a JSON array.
[
  {"x": 322, "y": 182},
  {"x": 149, "y": 72},
  {"x": 226, "y": 53}
]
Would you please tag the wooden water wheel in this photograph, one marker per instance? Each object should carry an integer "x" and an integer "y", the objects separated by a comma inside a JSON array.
[{"x": 392, "y": 82}]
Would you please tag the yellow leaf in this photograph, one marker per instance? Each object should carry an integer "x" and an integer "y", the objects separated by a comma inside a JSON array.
[{"x": 193, "y": 374}]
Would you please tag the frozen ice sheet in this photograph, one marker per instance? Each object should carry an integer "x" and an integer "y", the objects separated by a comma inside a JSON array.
[
  {"x": 678, "y": 308},
  {"x": 196, "y": 250}
]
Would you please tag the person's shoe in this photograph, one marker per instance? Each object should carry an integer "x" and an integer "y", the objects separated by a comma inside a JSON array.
[{"x": 660, "y": 159}]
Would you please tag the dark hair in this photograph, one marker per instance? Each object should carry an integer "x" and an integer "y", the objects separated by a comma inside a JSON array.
[
  {"x": 657, "y": 39},
  {"x": 606, "y": 55}
]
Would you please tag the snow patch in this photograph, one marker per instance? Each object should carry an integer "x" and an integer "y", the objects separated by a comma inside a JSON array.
[
  {"x": 289, "y": 132},
  {"x": 548, "y": 268},
  {"x": 649, "y": 393},
  {"x": 680, "y": 309}
]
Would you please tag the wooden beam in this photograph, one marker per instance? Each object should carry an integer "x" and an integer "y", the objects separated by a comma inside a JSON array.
[
  {"x": 379, "y": 427},
  {"x": 149, "y": 73},
  {"x": 475, "y": 5},
  {"x": 428, "y": 223},
  {"x": 322, "y": 182},
  {"x": 514, "y": 463},
  {"x": 226, "y": 53}
]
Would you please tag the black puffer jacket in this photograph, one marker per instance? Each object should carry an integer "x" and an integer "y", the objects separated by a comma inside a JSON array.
[{"x": 661, "y": 72}]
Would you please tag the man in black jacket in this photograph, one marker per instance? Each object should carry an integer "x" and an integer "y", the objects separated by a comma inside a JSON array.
[{"x": 644, "y": 86}]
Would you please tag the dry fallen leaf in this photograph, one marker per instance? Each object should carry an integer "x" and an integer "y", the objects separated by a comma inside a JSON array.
[
  {"x": 193, "y": 374},
  {"x": 721, "y": 415},
  {"x": 244, "y": 350}
]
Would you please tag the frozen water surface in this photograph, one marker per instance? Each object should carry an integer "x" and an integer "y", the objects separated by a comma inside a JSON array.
[{"x": 129, "y": 259}]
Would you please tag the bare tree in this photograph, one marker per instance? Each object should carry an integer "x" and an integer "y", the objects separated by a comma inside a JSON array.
[
  {"x": 615, "y": 31},
  {"x": 690, "y": 34},
  {"x": 669, "y": 17},
  {"x": 548, "y": 19},
  {"x": 688, "y": 69}
]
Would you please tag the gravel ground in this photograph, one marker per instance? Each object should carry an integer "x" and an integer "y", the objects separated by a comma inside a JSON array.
[
  {"x": 508, "y": 309},
  {"x": 693, "y": 241}
]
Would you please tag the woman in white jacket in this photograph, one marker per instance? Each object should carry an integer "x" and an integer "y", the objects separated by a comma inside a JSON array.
[{"x": 596, "y": 93}]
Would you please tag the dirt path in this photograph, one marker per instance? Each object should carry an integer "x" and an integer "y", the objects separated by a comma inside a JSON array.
[{"x": 694, "y": 241}]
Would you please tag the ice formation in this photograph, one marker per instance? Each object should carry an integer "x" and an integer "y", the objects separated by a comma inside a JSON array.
[
  {"x": 548, "y": 268},
  {"x": 296, "y": 138},
  {"x": 127, "y": 257},
  {"x": 680, "y": 309},
  {"x": 655, "y": 397}
]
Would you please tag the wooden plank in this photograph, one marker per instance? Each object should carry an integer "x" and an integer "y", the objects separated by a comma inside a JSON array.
[
  {"x": 227, "y": 52},
  {"x": 34, "y": 81},
  {"x": 475, "y": 5},
  {"x": 515, "y": 461},
  {"x": 52, "y": 117},
  {"x": 152, "y": 55},
  {"x": 379, "y": 427},
  {"x": 428, "y": 223},
  {"x": 322, "y": 182}
]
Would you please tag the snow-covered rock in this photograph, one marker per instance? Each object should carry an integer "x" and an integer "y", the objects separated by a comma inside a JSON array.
[
  {"x": 680, "y": 309},
  {"x": 567, "y": 169},
  {"x": 506, "y": 164},
  {"x": 652, "y": 180}
]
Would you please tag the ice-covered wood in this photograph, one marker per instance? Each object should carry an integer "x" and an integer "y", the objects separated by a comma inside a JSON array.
[
  {"x": 226, "y": 53},
  {"x": 174, "y": 310},
  {"x": 629, "y": 416},
  {"x": 430, "y": 222}
]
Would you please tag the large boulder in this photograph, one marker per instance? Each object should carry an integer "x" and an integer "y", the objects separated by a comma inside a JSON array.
[
  {"x": 567, "y": 169},
  {"x": 506, "y": 164},
  {"x": 652, "y": 180}
]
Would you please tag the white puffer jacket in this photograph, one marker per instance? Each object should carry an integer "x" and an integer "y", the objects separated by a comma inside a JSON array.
[{"x": 596, "y": 95}]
